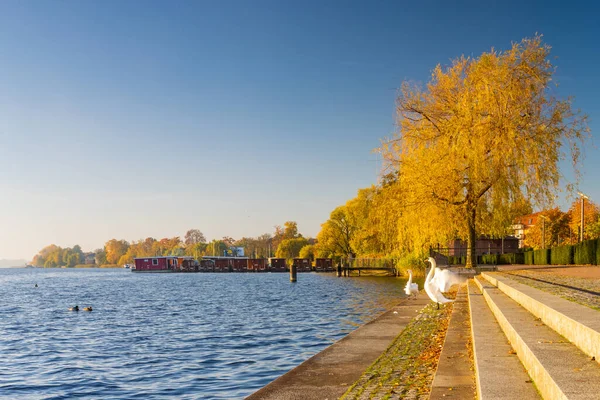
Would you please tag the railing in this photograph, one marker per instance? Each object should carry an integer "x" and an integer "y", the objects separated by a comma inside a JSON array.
[
  {"x": 462, "y": 251},
  {"x": 368, "y": 267}
]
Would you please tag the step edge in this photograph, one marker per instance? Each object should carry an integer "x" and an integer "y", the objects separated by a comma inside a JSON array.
[
  {"x": 582, "y": 336},
  {"x": 472, "y": 287},
  {"x": 548, "y": 388},
  {"x": 475, "y": 364}
]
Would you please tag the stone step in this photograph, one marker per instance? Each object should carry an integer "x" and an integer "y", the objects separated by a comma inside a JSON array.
[
  {"x": 499, "y": 373},
  {"x": 454, "y": 375},
  {"x": 577, "y": 323},
  {"x": 559, "y": 369}
]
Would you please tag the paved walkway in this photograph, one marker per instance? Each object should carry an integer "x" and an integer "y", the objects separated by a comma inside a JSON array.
[
  {"x": 580, "y": 284},
  {"x": 576, "y": 271}
]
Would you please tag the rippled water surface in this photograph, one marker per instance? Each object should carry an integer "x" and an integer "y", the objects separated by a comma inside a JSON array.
[{"x": 180, "y": 336}]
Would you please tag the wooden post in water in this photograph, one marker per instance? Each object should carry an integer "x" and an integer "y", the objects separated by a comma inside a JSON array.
[
  {"x": 292, "y": 273},
  {"x": 339, "y": 270}
]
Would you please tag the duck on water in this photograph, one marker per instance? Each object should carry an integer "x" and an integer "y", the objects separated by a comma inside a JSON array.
[{"x": 76, "y": 308}]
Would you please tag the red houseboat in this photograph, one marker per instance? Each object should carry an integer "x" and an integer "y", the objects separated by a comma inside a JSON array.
[
  {"x": 165, "y": 264},
  {"x": 277, "y": 264},
  {"x": 257, "y": 265},
  {"x": 323, "y": 264},
  {"x": 302, "y": 264}
]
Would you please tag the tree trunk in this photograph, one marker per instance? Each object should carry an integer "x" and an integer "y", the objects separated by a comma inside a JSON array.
[{"x": 472, "y": 240}]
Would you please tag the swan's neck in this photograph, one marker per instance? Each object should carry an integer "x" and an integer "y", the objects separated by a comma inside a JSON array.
[{"x": 430, "y": 274}]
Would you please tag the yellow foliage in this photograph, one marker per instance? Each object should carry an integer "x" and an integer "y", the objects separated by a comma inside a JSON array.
[
  {"x": 484, "y": 137},
  {"x": 590, "y": 217},
  {"x": 550, "y": 230}
]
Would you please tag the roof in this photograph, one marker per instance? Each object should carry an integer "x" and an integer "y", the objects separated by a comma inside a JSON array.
[
  {"x": 224, "y": 257},
  {"x": 524, "y": 219},
  {"x": 145, "y": 258}
]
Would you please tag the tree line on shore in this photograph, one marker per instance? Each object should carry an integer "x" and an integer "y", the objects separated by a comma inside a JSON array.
[{"x": 285, "y": 242}]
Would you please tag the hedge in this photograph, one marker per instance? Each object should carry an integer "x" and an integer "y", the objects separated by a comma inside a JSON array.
[
  {"x": 562, "y": 255},
  {"x": 528, "y": 257},
  {"x": 489, "y": 259},
  {"x": 511, "y": 258},
  {"x": 541, "y": 257},
  {"x": 585, "y": 252}
]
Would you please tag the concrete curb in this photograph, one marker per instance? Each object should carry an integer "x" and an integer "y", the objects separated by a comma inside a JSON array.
[
  {"x": 577, "y": 323},
  {"x": 454, "y": 375}
]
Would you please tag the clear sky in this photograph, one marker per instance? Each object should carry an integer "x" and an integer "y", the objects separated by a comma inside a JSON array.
[{"x": 130, "y": 119}]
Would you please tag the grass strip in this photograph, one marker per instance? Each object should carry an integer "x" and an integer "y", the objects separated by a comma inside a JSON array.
[{"x": 407, "y": 368}]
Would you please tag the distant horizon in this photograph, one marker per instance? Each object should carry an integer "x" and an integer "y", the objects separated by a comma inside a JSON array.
[
  {"x": 231, "y": 118},
  {"x": 12, "y": 263}
]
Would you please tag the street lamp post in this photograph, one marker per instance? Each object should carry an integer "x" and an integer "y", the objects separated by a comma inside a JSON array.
[
  {"x": 583, "y": 197},
  {"x": 544, "y": 218},
  {"x": 544, "y": 233}
]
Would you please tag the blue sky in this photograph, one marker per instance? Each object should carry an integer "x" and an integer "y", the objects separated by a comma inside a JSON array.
[{"x": 130, "y": 119}]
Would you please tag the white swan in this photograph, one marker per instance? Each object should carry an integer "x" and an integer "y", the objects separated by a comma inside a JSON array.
[
  {"x": 432, "y": 285},
  {"x": 444, "y": 278},
  {"x": 411, "y": 288}
]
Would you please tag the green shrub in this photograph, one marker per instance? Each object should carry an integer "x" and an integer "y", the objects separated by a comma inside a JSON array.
[
  {"x": 541, "y": 257},
  {"x": 511, "y": 258},
  {"x": 519, "y": 258},
  {"x": 413, "y": 262},
  {"x": 453, "y": 260},
  {"x": 491, "y": 259},
  {"x": 585, "y": 252},
  {"x": 562, "y": 255},
  {"x": 504, "y": 259},
  {"x": 528, "y": 257},
  {"x": 85, "y": 266}
]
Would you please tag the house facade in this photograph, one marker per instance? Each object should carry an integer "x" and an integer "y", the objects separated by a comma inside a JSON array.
[
  {"x": 485, "y": 245},
  {"x": 524, "y": 223}
]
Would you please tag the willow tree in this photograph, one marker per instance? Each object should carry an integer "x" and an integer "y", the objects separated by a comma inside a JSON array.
[
  {"x": 335, "y": 237},
  {"x": 485, "y": 134}
]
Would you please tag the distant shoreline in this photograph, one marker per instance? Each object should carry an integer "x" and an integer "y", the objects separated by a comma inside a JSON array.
[{"x": 80, "y": 266}]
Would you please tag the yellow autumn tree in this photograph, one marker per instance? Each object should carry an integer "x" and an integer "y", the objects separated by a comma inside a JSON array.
[
  {"x": 379, "y": 235},
  {"x": 551, "y": 229},
  {"x": 335, "y": 237},
  {"x": 484, "y": 134},
  {"x": 590, "y": 218}
]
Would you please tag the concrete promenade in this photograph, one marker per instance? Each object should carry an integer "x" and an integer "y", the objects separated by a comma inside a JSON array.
[
  {"x": 575, "y": 271},
  {"x": 454, "y": 376},
  {"x": 328, "y": 374}
]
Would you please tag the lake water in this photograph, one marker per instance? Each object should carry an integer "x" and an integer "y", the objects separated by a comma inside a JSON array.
[{"x": 180, "y": 336}]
